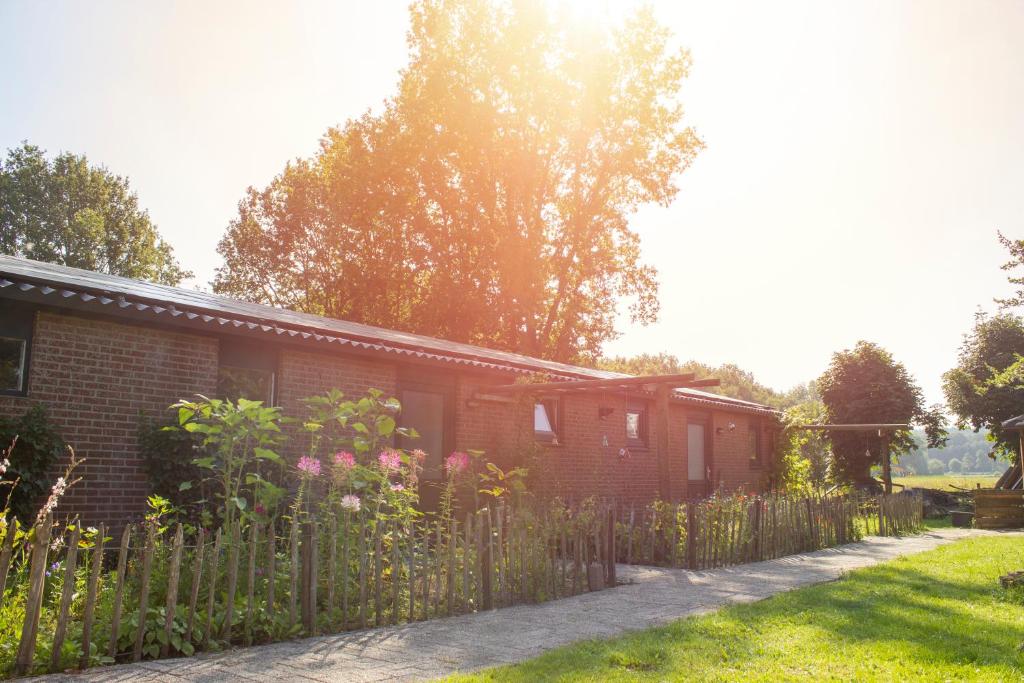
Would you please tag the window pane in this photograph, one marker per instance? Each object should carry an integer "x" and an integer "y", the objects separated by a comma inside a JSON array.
[
  {"x": 752, "y": 444},
  {"x": 236, "y": 383},
  {"x": 541, "y": 419},
  {"x": 424, "y": 412},
  {"x": 12, "y": 364},
  {"x": 633, "y": 425}
]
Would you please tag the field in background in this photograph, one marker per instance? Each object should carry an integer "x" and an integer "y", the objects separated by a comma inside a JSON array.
[{"x": 946, "y": 482}]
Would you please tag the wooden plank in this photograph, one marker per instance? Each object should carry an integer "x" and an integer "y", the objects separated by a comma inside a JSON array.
[
  {"x": 478, "y": 563},
  {"x": 232, "y": 587},
  {"x": 363, "y": 606},
  {"x": 197, "y": 577},
  {"x": 250, "y": 592},
  {"x": 211, "y": 594},
  {"x": 467, "y": 542},
  {"x": 332, "y": 552},
  {"x": 271, "y": 567},
  {"x": 378, "y": 574},
  {"x": 411, "y": 533},
  {"x": 313, "y": 582},
  {"x": 92, "y": 583},
  {"x": 10, "y": 528},
  {"x": 396, "y": 573},
  {"x": 677, "y": 380},
  {"x": 345, "y": 567},
  {"x": 453, "y": 536},
  {"x": 34, "y": 599},
  {"x": 486, "y": 587},
  {"x": 67, "y": 591},
  {"x": 170, "y": 605},
  {"x": 293, "y": 572},
  {"x": 147, "y": 573},
  {"x": 122, "y": 568}
]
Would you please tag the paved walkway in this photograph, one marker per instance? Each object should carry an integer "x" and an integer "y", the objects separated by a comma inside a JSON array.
[{"x": 443, "y": 646}]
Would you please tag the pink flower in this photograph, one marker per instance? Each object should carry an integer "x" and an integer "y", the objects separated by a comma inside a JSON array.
[
  {"x": 390, "y": 460},
  {"x": 419, "y": 455},
  {"x": 456, "y": 462},
  {"x": 344, "y": 460},
  {"x": 397, "y": 487},
  {"x": 351, "y": 502},
  {"x": 310, "y": 466},
  {"x": 259, "y": 509}
]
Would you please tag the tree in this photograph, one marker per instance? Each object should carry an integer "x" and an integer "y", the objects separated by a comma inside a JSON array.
[
  {"x": 955, "y": 465},
  {"x": 987, "y": 385},
  {"x": 936, "y": 466},
  {"x": 489, "y": 201},
  {"x": 736, "y": 382},
  {"x": 68, "y": 212},
  {"x": 865, "y": 385}
]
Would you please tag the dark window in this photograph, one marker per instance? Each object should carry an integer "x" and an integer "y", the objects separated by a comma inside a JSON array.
[
  {"x": 636, "y": 424},
  {"x": 546, "y": 420},
  {"x": 754, "y": 443},
  {"x": 15, "y": 345},
  {"x": 247, "y": 370}
]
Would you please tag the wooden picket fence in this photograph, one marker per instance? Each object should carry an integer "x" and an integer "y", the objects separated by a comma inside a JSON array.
[
  {"x": 159, "y": 592},
  {"x": 256, "y": 583},
  {"x": 721, "y": 531}
]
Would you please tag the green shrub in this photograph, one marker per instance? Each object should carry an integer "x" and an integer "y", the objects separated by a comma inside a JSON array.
[{"x": 39, "y": 445}]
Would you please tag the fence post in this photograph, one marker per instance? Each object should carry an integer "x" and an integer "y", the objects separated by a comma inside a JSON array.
[
  {"x": 70, "y": 564},
  {"x": 487, "y": 599},
  {"x": 10, "y": 528},
  {"x": 691, "y": 538},
  {"x": 90, "y": 600},
  {"x": 147, "y": 573},
  {"x": 610, "y": 553},
  {"x": 34, "y": 600},
  {"x": 172, "y": 591}
]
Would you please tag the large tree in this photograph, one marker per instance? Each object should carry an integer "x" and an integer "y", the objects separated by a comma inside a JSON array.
[
  {"x": 63, "y": 210},
  {"x": 987, "y": 385},
  {"x": 866, "y": 385},
  {"x": 489, "y": 201},
  {"x": 735, "y": 381}
]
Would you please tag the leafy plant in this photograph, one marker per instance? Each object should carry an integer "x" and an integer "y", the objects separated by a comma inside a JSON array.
[{"x": 38, "y": 447}]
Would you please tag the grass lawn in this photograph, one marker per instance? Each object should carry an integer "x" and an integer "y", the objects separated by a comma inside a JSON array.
[
  {"x": 935, "y": 616},
  {"x": 945, "y": 482}
]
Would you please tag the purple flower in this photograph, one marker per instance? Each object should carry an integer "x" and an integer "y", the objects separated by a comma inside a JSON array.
[
  {"x": 397, "y": 487},
  {"x": 456, "y": 462},
  {"x": 310, "y": 466},
  {"x": 344, "y": 460},
  {"x": 351, "y": 502},
  {"x": 390, "y": 460}
]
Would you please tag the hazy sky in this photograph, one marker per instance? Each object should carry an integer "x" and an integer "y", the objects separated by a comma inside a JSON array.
[{"x": 860, "y": 155}]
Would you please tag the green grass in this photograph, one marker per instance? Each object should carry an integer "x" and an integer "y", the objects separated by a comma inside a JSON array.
[
  {"x": 935, "y": 616},
  {"x": 946, "y": 482}
]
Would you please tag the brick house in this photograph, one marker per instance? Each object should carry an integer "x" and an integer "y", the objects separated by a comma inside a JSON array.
[{"x": 97, "y": 350}]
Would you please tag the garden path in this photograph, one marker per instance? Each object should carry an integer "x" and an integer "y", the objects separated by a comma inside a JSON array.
[{"x": 440, "y": 647}]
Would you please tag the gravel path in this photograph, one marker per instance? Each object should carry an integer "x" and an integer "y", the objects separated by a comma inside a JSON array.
[{"x": 444, "y": 646}]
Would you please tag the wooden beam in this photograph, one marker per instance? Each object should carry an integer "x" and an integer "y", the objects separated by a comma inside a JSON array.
[
  {"x": 661, "y": 439},
  {"x": 613, "y": 383},
  {"x": 856, "y": 427}
]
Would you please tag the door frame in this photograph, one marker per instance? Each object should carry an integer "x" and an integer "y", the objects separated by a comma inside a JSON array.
[
  {"x": 694, "y": 487},
  {"x": 410, "y": 379}
]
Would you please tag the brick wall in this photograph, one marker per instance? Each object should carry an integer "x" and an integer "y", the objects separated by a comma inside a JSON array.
[{"x": 94, "y": 377}]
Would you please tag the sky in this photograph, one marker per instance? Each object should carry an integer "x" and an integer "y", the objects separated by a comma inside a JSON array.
[{"x": 860, "y": 155}]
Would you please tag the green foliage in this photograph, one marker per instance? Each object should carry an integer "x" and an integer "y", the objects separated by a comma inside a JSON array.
[
  {"x": 987, "y": 385},
  {"x": 237, "y": 441},
  {"x": 804, "y": 456},
  {"x": 38, "y": 448},
  {"x": 538, "y": 166},
  {"x": 68, "y": 212},
  {"x": 866, "y": 385},
  {"x": 167, "y": 456},
  {"x": 736, "y": 382}
]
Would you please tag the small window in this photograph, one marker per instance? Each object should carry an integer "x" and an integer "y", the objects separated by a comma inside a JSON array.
[
  {"x": 247, "y": 371},
  {"x": 15, "y": 343},
  {"x": 545, "y": 420},
  {"x": 636, "y": 425},
  {"x": 754, "y": 443}
]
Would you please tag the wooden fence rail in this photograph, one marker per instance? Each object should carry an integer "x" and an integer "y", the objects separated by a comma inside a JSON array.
[{"x": 164, "y": 592}]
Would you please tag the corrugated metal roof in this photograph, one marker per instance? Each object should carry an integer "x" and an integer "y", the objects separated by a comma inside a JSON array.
[{"x": 147, "y": 298}]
